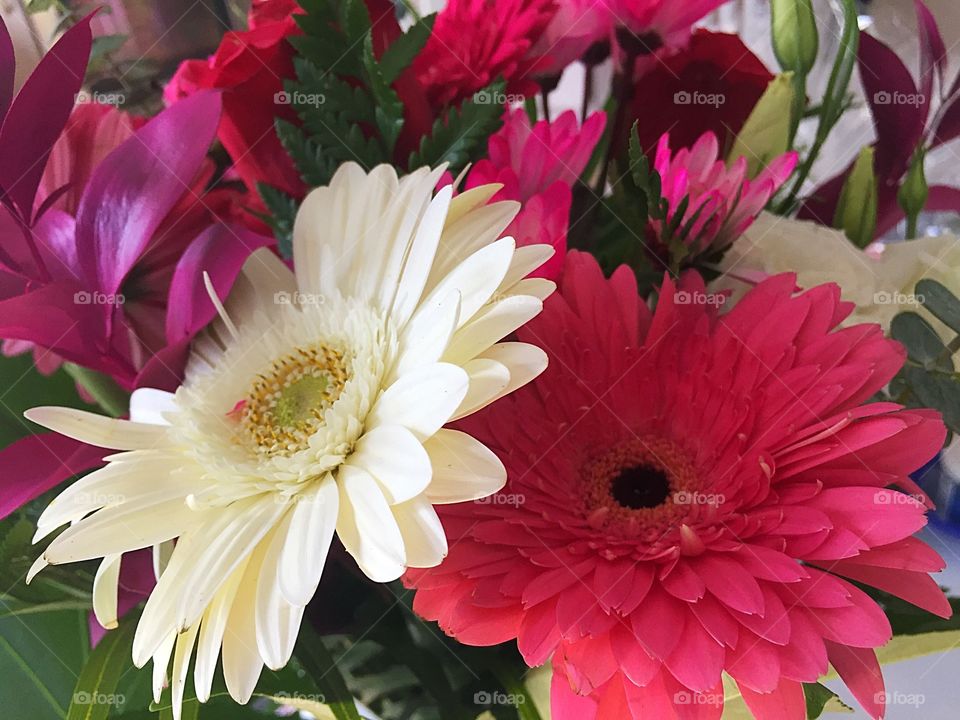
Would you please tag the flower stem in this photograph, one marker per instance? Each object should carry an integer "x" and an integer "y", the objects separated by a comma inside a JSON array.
[
  {"x": 526, "y": 709},
  {"x": 104, "y": 389}
]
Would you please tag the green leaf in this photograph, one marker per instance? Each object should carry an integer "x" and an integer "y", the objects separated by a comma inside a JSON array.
[
  {"x": 404, "y": 49},
  {"x": 322, "y": 668},
  {"x": 935, "y": 390},
  {"x": 389, "y": 111},
  {"x": 40, "y": 660},
  {"x": 818, "y": 697},
  {"x": 923, "y": 344},
  {"x": 462, "y": 133},
  {"x": 940, "y": 301},
  {"x": 95, "y": 693},
  {"x": 283, "y": 212},
  {"x": 106, "y": 44}
]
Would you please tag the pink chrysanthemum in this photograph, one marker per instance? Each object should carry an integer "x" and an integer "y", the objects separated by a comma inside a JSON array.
[
  {"x": 724, "y": 201},
  {"x": 538, "y": 166},
  {"x": 475, "y": 42},
  {"x": 690, "y": 492}
]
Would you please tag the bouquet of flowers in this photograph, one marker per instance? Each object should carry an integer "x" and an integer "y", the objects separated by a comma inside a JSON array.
[{"x": 527, "y": 359}]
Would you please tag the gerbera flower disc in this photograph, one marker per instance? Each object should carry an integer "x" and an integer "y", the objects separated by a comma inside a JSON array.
[
  {"x": 690, "y": 493},
  {"x": 315, "y": 405}
]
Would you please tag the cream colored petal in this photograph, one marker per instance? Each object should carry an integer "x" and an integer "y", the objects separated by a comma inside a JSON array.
[
  {"x": 426, "y": 336},
  {"x": 181, "y": 667},
  {"x": 525, "y": 260},
  {"x": 423, "y": 536},
  {"x": 463, "y": 468},
  {"x": 395, "y": 458},
  {"x": 464, "y": 236},
  {"x": 523, "y": 361},
  {"x": 242, "y": 663},
  {"x": 212, "y": 628},
  {"x": 539, "y": 288},
  {"x": 367, "y": 528},
  {"x": 105, "y": 586},
  {"x": 422, "y": 401},
  {"x": 161, "y": 659},
  {"x": 488, "y": 378},
  {"x": 304, "y": 554},
  {"x": 99, "y": 430},
  {"x": 277, "y": 621},
  {"x": 477, "y": 277},
  {"x": 149, "y": 406},
  {"x": 491, "y": 324}
]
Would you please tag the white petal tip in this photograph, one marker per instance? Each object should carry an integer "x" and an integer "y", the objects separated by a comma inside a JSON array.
[{"x": 39, "y": 564}]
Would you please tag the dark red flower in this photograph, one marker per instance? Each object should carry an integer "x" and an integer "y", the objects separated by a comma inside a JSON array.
[{"x": 712, "y": 85}]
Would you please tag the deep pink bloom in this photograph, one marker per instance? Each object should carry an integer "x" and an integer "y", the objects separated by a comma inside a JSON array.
[
  {"x": 660, "y": 22},
  {"x": 691, "y": 492},
  {"x": 723, "y": 201},
  {"x": 538, "y": 166},
  {"x": 475, "y": 42},
  {"x": 574, "y": 27}
]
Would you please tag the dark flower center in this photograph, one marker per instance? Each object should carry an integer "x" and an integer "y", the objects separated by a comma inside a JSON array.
[{"x": 640, "y": 486}]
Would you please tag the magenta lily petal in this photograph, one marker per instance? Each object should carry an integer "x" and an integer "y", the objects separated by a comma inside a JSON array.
[
  {"x": 28, "y": 136},
  {"x": 7, "y": 69},
  {"x": 37, "y": 463},
  {"x": 933, "y": 52},
  {"x": 138, "y": 184},
  {"x": 220, "y": 250}
]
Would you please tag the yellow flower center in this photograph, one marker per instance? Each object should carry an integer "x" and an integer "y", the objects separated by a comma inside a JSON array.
[{"x": 286, "y": 404}]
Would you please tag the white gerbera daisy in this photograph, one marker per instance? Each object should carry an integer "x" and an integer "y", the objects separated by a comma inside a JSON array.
[{"x": 315, "y": 404}]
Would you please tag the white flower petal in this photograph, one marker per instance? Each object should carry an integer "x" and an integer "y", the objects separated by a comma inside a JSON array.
[
  {"x": 148, "y": 406},
  {"x": 212, "y": 628},
  {"x": 161, "y": 660},
  {"x": 426, "y": 336},
  {"x": 304, "y": 554},
  {"x": 463, "y": 468},
  {"x": 242, "y": 663},
  {"x": 477, "y": 277},
  {"x": 99, "y": 430},
  {"x": 523, "y": 361},
  {"x": 488, "y": 378},
  {"x": 423, "y": 536},
  {"x": 491, "y": 324},
  {"x": 181, "y": 667},
  {"x": 540, "y": 288},
  {"x": 422, "y": 400},
  {"x": 105, "y": 586},
  {"x": 277, "y": 621},
  {"x": 525, "y": 260},
  {"x": 395, "y": 458},
  {"x": 367, "y": 528}
]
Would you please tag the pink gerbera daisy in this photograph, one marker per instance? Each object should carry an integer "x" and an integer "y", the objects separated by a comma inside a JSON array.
[
  {"x": 690, "y": 492},
  {"x": 723, "y": 201}
]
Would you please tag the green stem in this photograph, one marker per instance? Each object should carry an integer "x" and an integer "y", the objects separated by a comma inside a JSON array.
[
  {"x": 102, "y": 388},
  {"x": 526, "y": 710},
  {"x": 912, "y": 226}
]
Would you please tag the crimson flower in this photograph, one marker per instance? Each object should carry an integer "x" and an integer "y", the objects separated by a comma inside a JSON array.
[{"x": 692, "y": 492}]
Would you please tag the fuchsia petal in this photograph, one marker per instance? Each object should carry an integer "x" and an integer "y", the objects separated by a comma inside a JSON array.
[
  {"x": 7, "y": 70},
  {"x": 859, "y": 669},
  {"x": 38, "y": 114},
  {"x": 785, "y": 702},
  {"x": 37, "y": 463},
  {"x": 138, "y": 184},
  {"x": 220, "y": 251}
]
